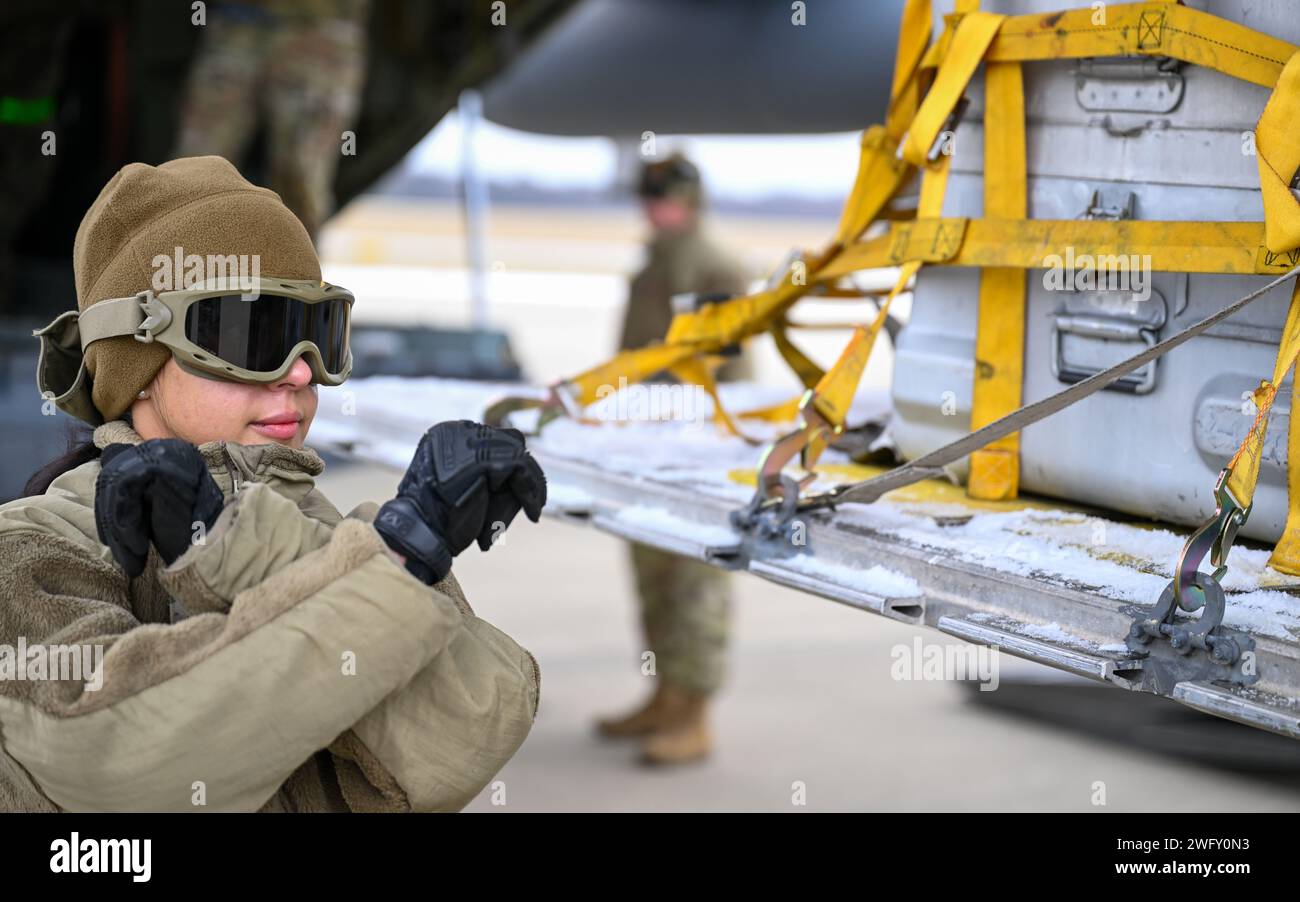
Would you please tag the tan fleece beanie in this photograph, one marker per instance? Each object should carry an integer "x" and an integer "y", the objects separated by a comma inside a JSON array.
[{"x": 201, "y": 205}]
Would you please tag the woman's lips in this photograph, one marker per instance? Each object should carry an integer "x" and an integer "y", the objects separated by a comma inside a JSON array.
[
  {"x": 278, "y": 431},
  {"x": 281, "y": 427}
]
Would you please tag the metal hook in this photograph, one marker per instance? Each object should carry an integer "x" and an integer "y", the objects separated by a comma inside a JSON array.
[{"x": 1214, "y": 538}]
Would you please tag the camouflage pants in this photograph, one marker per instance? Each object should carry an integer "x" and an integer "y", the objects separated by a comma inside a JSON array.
[
  {"x": 685, "y": 611},
  {"x": 302, "y": 79}
]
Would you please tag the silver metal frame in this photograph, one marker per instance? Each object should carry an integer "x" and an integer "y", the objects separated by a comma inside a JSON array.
[{"x": 974, "y": 603}]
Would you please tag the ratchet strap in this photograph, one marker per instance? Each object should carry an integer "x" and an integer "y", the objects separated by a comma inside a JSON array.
[
  {"x": 1244, "y": 466},
  {"x": 932, "y": 464}
]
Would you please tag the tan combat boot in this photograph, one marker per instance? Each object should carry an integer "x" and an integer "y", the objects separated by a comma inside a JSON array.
[
  {"x": 641, "y": 722},
  {"x": 683, "y": 734}
]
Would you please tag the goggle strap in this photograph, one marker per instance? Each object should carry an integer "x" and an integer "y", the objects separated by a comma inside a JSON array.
[{"x": 111, "y": 318}]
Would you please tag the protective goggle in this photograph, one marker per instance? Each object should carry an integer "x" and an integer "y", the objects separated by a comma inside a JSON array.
[{"x": 211, "y": 330}]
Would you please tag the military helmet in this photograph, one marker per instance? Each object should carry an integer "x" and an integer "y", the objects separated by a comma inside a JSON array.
[{"x": 673, "y": 176}]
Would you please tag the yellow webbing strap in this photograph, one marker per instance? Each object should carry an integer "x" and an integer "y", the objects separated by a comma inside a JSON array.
[
  {"x": 1153, "y": 29},
  {"x": 1245, "y": 463},
  {"x": 974, "y": 34},
  {"x": 783, "y": 412},
  {"x": 633, "y": 366},
  {"x": 1150, "y": 29},
  {"x": 833, "y": 395},
  {"x": 1286, "y": 555},
  {"x": 880, "y": 175},
  {"x": 698, "y": 370},
  {"x": 905, "y": 94},
  {"x": 1200, "y": 247},
  {"x": 809, "y": 373},
  {"x": 1000, "y": 329},
  {"x": 1196, "y": 37},
  {"x": 1278, "y": 154}
]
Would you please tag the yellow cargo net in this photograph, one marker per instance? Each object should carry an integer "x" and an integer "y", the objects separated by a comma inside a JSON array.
[{"x": 930, "y": 78}]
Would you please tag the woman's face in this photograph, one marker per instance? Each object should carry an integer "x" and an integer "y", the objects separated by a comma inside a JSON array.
[
  {"x": 668, "y": 214},
  {"x": 198, "y": 410}
]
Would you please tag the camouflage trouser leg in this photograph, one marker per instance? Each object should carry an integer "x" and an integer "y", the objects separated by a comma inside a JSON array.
[
  {"x": 222, "y": 98},
  {"x": 313, "y": 95},
  {"x": 303, "y": 79},
  {"x": 685, "y": 609}
]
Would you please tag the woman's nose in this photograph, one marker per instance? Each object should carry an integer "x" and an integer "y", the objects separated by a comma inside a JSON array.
[{"x": 297, "y": 376}]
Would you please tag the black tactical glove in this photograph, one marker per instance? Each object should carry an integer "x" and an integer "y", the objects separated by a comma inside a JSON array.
[
  {"x": 156, "y": 492},
  {"x": 466, "y": 482}
]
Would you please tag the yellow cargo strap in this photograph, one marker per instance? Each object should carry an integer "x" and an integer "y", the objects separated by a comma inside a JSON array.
[
  {"x": 1278, "y": 154},
  {"x": 1091, "y": 245},
  {"x": 1145, "y": 29},
  {"x": 974, "y": 33},
  {"x": 1192, "y": 36},
  {"x": 834, "y": 393},
  {"x": 784, "y": 412},
  {"x": 700, "y": 371},
  {"x": 880, "y": 175},
  {"x": 905, "y": 94},
  {"x": 809, "y": 373},
  {"x": 632, "y": 366},
  {"x": 1244, "y": 466},
  {"x": 1000, "y": 327},
  {"x": 1156, "y": 29},
  {"x": 1286, "y": 555},
  {"x": 826, "y": 408}
]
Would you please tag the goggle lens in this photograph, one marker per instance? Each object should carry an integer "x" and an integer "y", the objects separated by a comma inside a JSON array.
[{"x": 259, "y": 333}]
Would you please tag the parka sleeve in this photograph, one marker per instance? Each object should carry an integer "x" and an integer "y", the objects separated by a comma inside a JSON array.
[
  {"x": 321, "y": 628},
  {"x": 433, "y": 744}
]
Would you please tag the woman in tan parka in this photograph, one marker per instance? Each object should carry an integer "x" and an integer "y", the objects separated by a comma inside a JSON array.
[{"x": 259, "y": 650}]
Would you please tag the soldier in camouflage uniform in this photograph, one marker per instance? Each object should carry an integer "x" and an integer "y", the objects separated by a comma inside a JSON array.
[
  {"x": 296, "y": 65},
  {"x": 684, "y": 604}
]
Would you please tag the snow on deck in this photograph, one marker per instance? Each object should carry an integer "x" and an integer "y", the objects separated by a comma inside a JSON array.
[{"x": 381, "y": 419}]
